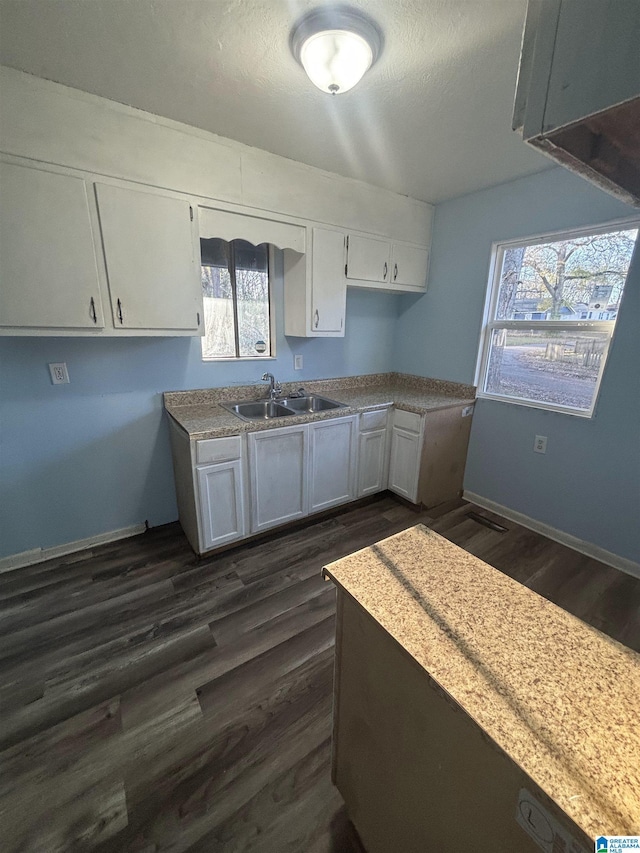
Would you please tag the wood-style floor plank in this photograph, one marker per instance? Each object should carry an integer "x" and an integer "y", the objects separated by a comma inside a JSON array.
[{"x": 155, "y": 701}]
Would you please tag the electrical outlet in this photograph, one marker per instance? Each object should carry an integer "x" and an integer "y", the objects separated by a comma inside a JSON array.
[
  {"x": 540, "y": 444},
  {"x": 59, "y": 373},
  {"x": 297, "y": 362}
]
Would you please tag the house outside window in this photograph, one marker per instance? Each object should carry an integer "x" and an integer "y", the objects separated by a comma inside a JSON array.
[
  {"x": 236, "y": 294},
  {"x": 550, "y": 315}
]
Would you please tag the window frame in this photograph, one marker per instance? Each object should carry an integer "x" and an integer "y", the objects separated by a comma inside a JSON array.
[
  {"x": 227, "y": 359},
  {"x": 489, "y": 323}
]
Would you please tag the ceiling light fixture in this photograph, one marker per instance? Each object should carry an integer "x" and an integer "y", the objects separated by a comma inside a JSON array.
[{"x": 336, "y": 47}]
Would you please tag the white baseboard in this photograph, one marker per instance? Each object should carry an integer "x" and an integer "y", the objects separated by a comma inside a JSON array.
[
  {"x": 39, "y": 555},
  {"x": 587, "y": 548}
]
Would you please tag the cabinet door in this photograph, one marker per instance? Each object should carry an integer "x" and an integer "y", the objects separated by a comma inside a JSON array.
[
  {"x": 277, "y": 470},
  {"x": 152, "y": 259},
  {"x": 221, "y": 497},
  {"x": 48, "y": 270},
  {"x": 404, "y": 463},
  {"x": 331, "y": 463},
  {"x": 371, "y": 462},
  {"x": 328, "y": 283},
  {"x": 368, "y": 258},
  {"x": 596, "y": 59},
  {"x": 409, "y": 265}
]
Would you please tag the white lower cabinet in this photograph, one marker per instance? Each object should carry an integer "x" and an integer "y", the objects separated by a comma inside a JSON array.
[
  {"x": 231, "y": 487},
  {"x": 373, "y": 458},
  {"x": 406, "y": 450},
  {"x": 332, "y": 445},
  {"x": 221, "y": 495},
  {"x": 278, "y": 476},
  {"x": 371, "y": 462},
  {"x": 404, "y": 464}
]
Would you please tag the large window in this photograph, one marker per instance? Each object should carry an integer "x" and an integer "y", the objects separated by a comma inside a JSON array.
[
  {"x": 236, "y": 296},
  {"x": 551, "y": 311}
]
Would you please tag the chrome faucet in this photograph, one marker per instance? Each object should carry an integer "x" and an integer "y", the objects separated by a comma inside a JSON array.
[{"x": 274, "y": 389}]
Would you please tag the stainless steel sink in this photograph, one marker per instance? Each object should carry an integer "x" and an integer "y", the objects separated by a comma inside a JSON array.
[
  {"x": 264, "y": 410},
  {"x": 311, "y": 403},
  {"x": 258, "y": 410}
]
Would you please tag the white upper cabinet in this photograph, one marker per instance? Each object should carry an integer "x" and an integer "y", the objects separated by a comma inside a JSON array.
[
  {"x": 579, "y": 57},
  {"x": 368, "y": 258},
  {"x": 48, "y": 269},
  {"x": 383, "y": 265},
  {"x": 578, "y": 93},
  {"x": 315, "y": 287},
  {"x": 152, "y": 257},
  {"x": 328, "y": 284},
  {"x": 409, "y": 265}
]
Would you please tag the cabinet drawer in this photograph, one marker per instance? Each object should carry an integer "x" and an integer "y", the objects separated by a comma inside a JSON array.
[
  {"x": 373, "y": 420},
  {"x": 407, "y": 420},
  {"x": 218, "y": 449}
]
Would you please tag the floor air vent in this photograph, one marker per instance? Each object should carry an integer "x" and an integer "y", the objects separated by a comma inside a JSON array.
[{"x": 475, "y": 516}]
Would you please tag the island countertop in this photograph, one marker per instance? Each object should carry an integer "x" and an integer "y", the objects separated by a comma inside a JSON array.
[{"x": 558, "y": 696}]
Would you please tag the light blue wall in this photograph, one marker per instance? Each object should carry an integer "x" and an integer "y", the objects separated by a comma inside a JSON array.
[
  {"x": 588, "y": 483},
  {"x": 93, "y": 456}
]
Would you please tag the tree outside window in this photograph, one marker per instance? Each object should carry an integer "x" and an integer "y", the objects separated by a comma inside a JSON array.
[
  {"x": 236, "y": 296},
  {"x": 553, "y": 307}
]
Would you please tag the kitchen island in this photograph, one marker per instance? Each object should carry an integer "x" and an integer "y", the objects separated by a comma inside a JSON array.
[{"x": 470, "y": 713}]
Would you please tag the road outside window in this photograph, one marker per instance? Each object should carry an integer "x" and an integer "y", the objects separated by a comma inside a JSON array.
[{"x": 552, "y": 310}]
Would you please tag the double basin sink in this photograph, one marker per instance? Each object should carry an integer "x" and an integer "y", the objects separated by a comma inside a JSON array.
[{"x": 261, "y": 410}]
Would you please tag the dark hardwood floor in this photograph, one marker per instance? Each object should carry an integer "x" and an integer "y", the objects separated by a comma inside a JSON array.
[{"x": 153, "y": 701}]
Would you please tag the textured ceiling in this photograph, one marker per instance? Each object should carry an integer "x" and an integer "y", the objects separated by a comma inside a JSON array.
[{"x": 432, "y": 119}]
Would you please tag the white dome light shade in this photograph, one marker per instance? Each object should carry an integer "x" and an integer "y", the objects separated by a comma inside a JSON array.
[
  {"x": 335, "y": 60},
  {"x": 336, "y": 47}
]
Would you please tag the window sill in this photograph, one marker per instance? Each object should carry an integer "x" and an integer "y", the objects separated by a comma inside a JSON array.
[
  {"x": 232, "y": 359},
  {"x": 534, "y": 404}
]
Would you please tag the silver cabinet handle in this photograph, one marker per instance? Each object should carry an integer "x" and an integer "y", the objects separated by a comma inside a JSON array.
[
  {"x": 386, "y": 270},
  {"x": 316, "y": 318},
  {"x": 395, "y": 271},
  {"x": 92, "y": 310},
  {"x": 120, "y": 311}
]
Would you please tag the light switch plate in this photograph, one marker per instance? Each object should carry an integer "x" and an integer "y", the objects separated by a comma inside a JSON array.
[
  {"x": 59, "y": 373},
  {"x": 297, "y": 362}
]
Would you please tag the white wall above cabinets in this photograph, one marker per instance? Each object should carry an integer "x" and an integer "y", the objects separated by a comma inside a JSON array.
[
  {"x": 232, "y": 225},
  {"x": 380, "y": 264},
  {"x": 242, "y": 192},
  {"x": 85, "y": 257}
]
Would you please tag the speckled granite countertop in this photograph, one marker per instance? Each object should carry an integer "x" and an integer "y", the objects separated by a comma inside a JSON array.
[
  {"x": 200, "y": 414},
  {"x": 561, "y": 698}
]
